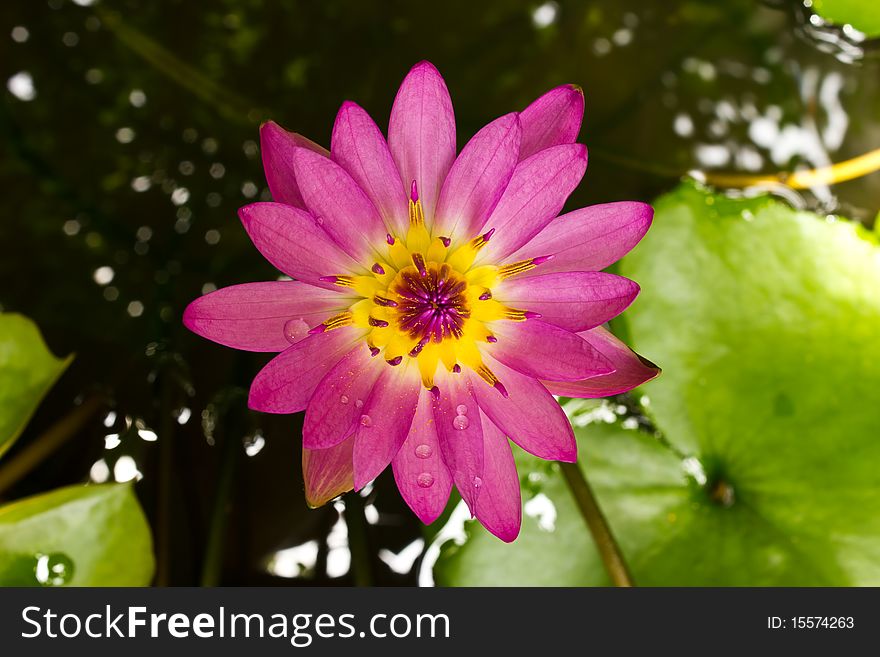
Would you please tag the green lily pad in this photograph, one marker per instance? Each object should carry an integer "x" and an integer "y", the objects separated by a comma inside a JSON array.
[
  {"x": 76, "y": 536},
  {"x": 861, "y": 14},
  {"x": 27, "y": 372},
  {"x": 765, "y": 321}
]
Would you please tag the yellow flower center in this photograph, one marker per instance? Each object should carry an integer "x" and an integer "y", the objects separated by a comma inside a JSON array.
[{"x": 424, "y": 300}]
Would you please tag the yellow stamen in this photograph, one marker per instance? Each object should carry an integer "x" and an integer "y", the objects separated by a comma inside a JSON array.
[
  {"x": 338, "y": 321},
  {"x": 365, "y": 286},
  {"x": 487, "y": 375},
  {"x": 516, "y": 268},
  {"x": 463, "y": 257}
]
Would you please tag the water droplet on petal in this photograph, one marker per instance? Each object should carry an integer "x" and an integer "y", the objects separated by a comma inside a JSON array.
[
  {"x": 424, "y": 451},
  {"x": 359, "y": 403},
  {"x": 55, "y": 569},
  {"x": 477, "y": 482},
  {"x": 425, "y": 480},
  {"x": 461, "y": 409},
  {"x": 366, "y": 420},
  {"x": 461, "y": 422},
  {"x": 295, "y": 330},
  {"x": 343, "y": 399}
]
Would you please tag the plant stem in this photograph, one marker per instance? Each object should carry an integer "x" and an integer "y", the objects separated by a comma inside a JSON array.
[
  {"x": 212, "y": 567},
  {"x": 46, "y": 443},
  {"x": 165, "y": 500},
  {"x": 610, "y": 552},
  {"x": 361, "y": 561}
]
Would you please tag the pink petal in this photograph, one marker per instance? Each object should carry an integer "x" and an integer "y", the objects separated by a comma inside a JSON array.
[
  {"x": 631, "y": 369},
  {"x": 499, "y": 506},
  {"x": 290, "y": 239},
  {"x": 529, "y": 414},
  {"x": 588, "y": 239},
  {"x": 335, "y": 408},
  {"x": 358, "y": 145},
  {"x": 545, "y": 351},
  {"x": 554, "y": 118},
  {"x": 384, "y": 425},
  {"x": 419, "y": 470},
  {"x": 339, "y": 204},
  {"x": 536, "y": 193},
  {"x": 261, "y": 316},
  {"x": 328, "y": 473},
  {"x": 460, "y": 434},
  {"x": 276, "y": 146},
  {"x": 421, "y": 132},
  {"x": 575, "y": 301},
  {"x": 287, "y": 382},
  {"x": 478, "y": 178}
]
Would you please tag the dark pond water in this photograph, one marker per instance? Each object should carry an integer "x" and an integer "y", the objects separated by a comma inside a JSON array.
[{"x": 130, "y": 139}]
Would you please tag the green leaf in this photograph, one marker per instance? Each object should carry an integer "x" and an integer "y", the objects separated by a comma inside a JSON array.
[
  {"x": 27, "y": 371},
  {"x": 76, "y": 536},
  {"x": 765, "y": 322},
  {"x": 861, "y": 14}
]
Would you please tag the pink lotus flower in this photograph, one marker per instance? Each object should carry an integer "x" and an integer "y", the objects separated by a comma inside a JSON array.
[{"x": 439, "y": 301}]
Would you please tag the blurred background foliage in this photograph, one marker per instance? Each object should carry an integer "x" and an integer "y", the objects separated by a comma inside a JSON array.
[{"x": 130, "y": 133}]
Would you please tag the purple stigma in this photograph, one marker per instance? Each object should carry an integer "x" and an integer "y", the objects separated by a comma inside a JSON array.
[
  {"x": 374, "y": 351},
  {"x": 320, "y": 328},
  {"x": 418, "y": 348},
  {"x": 500, "y": 388},
  {"x": 397, "y": 360},
  {"x": 328, "y": 279},
  {"x": 434, "y": 390},
  {"x": 540, "y": 260},
  {"x": 389, "y": 239},
  {"x": 456, "y": 368},
  {"x": 432, "y": 302},
  {"x": 382, "y": 301},
  {"x": 419, "y": 262},
  {"x": 488, "y": 234},
  {"x": 378, "y": 323},
  {"x": 446, "y": 241},
  {"x": 491, "y": 339},
  {"x": 378, "y": 269},
  {"x": 414, "y": 192},
  {"x": 531, "y": 315},
  {"x": 485, "y": 296}
]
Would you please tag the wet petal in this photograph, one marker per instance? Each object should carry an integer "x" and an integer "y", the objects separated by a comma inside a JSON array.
[
  {"x": 457, "y": 418},
  {"x": 421, "y": 475},
  {"x": 588, "y": 239},
  {"x": 337, "y": 404},
  {"x": 290, "y": 239},
  {"x": 276, "y": 146},
  {"x": 529, "y": 415},
  {"x": 328, "y": 473},
  {"x": 287, "y": 382},
  {"x": 545, "y": 351},
  {"x": 266, "y": 316},
  {"x": 575, "y": 301},
  {"x": 478, "y": 178},
  {"x": 631, "y": 369},
  {"x": 384, "y": 425},
  {"x": 554, "y": 118},
  {"x": 339, "y": 204},
  {"x": 499, "y": 506},
  {"x": 536, "y": 193},
  {"x": 358, "y": 145},
  {"x": 421, "y": 132}
]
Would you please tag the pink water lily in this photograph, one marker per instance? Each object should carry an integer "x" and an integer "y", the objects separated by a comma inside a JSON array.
[{"x": 439, "y": 301}]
